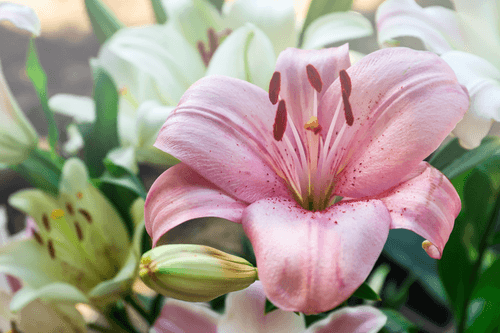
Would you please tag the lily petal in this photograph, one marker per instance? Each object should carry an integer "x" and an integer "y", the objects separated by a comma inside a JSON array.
[
  {"x": 392, "y": 100},
  {"x": 336, "y": 27},
  {"x": 482, "y": 80},
  {"x": 23, "y": 17},
  {"x": 437, "y": 27},
  {"x": 124, "y": 157},
  {"x": 245, "y": 308},
  {"x": 193, "y": 18},
  {"x": 231, "y": 135},
  {"x": 427, "y": 204},
  {"x": 75, "y": 140},
  {"x": 296, "y": 90},
  {"x": 246, "y": 54},
  {"x": 180, "y": 194},
  {"x": 178, "y": 316},
  {"x": 80, "y": 108},
  {"x": 359, "y": 319},
  {"x": 272, "y": 17},
  {"x": 54, "y": 292},
  {"x": 313, "y": 261}
]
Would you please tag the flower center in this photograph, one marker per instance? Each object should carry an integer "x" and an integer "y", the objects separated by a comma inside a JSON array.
[{"x": 310, "y": 159}]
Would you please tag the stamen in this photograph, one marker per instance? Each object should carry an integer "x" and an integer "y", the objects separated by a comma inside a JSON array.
[
  {"x": 13, "y": 327},
  {"x": 313, "y": 125},
  {"x": 86, "y": 215},
  {"x": 38, "y": 238},
  {"x": 274, "y": 87},
  {"x": 57, "y": 214},
  {"x": 79, "y": 232},
  {"x": 349, "y": 118},
  {"x": 280, "y": 121},
  {"x": 212, "y": 40},
  {"x": 79, "y": 195},
  {"x": 205, "y": 56},
  {"x": 46, "y": 223},
  {"x": 52, "y": 252},
  {"x": 69, "y": 208},
  {"x": 345, "y": 82},
  {"x": 314, "y": 78}
]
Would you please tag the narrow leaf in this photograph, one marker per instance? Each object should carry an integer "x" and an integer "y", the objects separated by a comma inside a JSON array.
[
  {"x": 160, "y": 13},
  {"x": 366, "y": 292},
  {"x": 453, "y": 160},
  {"x": 217, "y": 4},
  {"x": 104, "y": 21},
  {"x": 38, "y": 77},
  {"x": 269, "y": 307},
  {"x": 397, "y": 323},
  {"x": 104, "y": 133},
  {"x": 318, "y": 8}
]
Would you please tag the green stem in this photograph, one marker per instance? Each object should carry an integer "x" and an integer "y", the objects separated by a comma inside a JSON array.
[
  {"x": 483, "y": 246},
  {"x": 147, "y": 316},
  {"x": 99, "y": 328}
]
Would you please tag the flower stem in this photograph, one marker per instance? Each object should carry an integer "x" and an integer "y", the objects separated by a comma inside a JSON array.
[{"x": 147, "y": 316}]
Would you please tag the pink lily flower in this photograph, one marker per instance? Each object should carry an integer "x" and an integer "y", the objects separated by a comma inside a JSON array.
[
  {"x": 245, "y": 313},
  {"x": 317, "y": 170}
]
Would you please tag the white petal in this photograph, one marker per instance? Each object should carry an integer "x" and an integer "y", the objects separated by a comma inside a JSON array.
[
  {"x": 247, "y": 54},
  {"x": 23, "y": 17},
  {"x": 437, "y": 27},
  {"x": 54, "y": 292},
  {"x": 80, "y": 108},
  {"x": 359, "y": 319},
  {"x": 275, "y": 18},
  {"x": 75, "y": 140},
  {"x": 124, "y": 157},
  {"x": 336, "y": 27}
]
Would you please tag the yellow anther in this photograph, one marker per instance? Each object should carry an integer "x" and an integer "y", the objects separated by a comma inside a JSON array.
[
  {"x": 79, "y": 195},
  {"x": 123, "y": 91},
  {"x": 57, "y": 214},
  {"x": 313, "y": 125}
]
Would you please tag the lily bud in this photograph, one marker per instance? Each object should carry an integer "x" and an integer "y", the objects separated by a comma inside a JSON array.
[
  {"x": 17, "y": 135},
  {"x": 195, "y": 273}
]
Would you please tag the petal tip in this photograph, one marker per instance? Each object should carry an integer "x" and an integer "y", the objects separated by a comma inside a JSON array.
[{"x": 431, "y": 249}]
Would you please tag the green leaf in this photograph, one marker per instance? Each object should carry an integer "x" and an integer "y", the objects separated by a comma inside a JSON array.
[
  {"x": 366, "y": 292},
  {"x": 160, "y": 14},
  {"x": 104, "y": 133},
  {"x": 463, "y": 255},
  {"x": 318, "y": 8},
  {"x": 217, "y": 4},
  {"x": 104, "y": 21},
  {"x": 453, "y": 160},
  {"x": 397, "y": 323},
  {"x": 38, "y": 77},
  {"x": 269, "y": 307}
]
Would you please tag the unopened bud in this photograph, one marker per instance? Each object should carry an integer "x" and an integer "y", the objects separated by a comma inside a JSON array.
[{"x": 195, "y": 273}]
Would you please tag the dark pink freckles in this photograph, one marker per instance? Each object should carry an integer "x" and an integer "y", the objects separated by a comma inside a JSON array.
[
  {"x": 314, "y": 78},
  {"x": 347, "y": 108},
  {"x": 345, "y": 82},
  {"x": 280, "y": 121},
  {"x": 274, "y": 87}
]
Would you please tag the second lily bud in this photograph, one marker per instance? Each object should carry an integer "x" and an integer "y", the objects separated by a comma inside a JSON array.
[{"x": 195, "y": 273}]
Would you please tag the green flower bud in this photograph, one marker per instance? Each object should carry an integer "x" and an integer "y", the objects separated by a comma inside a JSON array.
[{"x": 195, "y": 273}]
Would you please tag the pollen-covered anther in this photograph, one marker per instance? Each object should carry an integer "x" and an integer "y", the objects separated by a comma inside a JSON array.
[
  {"x": 349, "y": 118},
  {"x": 345, "y": 82},
  {"x": 123, "y": 91},
  {"x": 79, "y": 195},
  {"x": 57, "y": 214},
  {"x": 314, "y": 78},
  {"x": 313, "y": 125},
  {"x": 274, "y": 87},
  {"x": 280, "y": 121},
  {"x": 50, "y": 247}
]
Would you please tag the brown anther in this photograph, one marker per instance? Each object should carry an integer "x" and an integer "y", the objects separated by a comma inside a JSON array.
[
  {"x": 205, "y": 56},
  {"x": 45, "y": 220},
  {"x": 69, "y": 208},
  {"x": 313, "y": 125},
  {"x": 13, "y": 327},
  {"x": 345, "y": 82},
  {"x": 86, "y": 215},
  {"x": 50, "y": 246},
  {"x": 280, "y": 121},
  {"x": 38, "y": 238},
  {"x": 349, "y": 118},
  {"x": 213, "y": 40},
  {"x": 79, "y": 232},
  {"x": 274, "y": 87},
  {"x": 314, "y": 78}
]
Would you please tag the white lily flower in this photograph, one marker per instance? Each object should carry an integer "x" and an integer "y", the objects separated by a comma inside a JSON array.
[
  {"x": 17, "y": 135},
  {"x": 37, "y": 316},
  {"x": 245, "y": 310},
  {"x": 468, "y": 39},
  {"x": 81, "y": 252}
]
